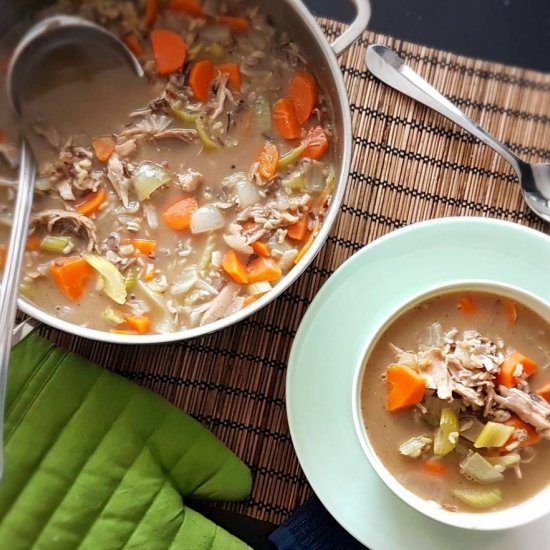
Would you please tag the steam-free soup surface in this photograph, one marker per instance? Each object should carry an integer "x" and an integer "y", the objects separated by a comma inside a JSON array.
[
  {"x": 169, "y": 204},
  {"x": 434, "y": 330}
]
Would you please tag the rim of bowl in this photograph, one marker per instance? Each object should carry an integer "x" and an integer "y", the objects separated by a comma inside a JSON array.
[
  {"x": 514, "y": 516},
  {"x": 340, "y": 103}
]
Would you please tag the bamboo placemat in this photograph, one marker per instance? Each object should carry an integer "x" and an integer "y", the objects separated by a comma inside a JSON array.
[{"x": 408, "y": 165}]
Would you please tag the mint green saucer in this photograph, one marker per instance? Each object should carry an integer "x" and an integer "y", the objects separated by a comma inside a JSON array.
[{"x": 330, "y": 341}]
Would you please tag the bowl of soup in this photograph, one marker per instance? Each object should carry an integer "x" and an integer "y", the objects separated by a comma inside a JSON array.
[
  {"x": 172, "y": 208},
  {"x": 451, "y": 404}
]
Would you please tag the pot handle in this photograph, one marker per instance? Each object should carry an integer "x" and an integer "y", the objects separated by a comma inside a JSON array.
[{"x": 354, "y": 31}]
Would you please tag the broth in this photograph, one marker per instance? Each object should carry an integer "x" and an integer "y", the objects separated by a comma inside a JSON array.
[
  {"x": 389, "y": 430},
  {"x": 254, "y": 184}
]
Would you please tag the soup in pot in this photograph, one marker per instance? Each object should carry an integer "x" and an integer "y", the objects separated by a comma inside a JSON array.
[
  {"x": 454, "y": 397},
  {"x": 167, "y": 205}
]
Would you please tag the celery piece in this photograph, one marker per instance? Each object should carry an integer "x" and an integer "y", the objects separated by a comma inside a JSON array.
[
  {"x": 216, "y": 50},
  {"x": 472, "y": 433},
  {"x": 331, "y": 180},
  {"x": 185, "y": 115},
  {"x": 415, "y": 446},
  {"x": 113, "y": 281},
  {"x": 258, "y": 288},
  {"x": 261, "y": 114},
  {"x": 112, "y": 316},
  {"x": 476, "y": 468},
  {"x": 207, "y": 142},
  {"x": 291, "y": 157},
  {"x": 479, "y": 498},
  {"x": 493, "y": 434},
  {"x": 504, "y": 461},
  {"x": 131, "y": 279},
  {"x": 56, "y": 245},
  {"x": 446, "y": 436},
  {"x": 294, "y": 182}
]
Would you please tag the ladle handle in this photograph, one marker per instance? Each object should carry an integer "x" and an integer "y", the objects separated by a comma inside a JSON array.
[
  {"x": 387, "y": 66},
  {"x": 10, "y": 282}
]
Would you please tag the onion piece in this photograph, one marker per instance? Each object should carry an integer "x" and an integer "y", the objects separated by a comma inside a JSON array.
[
  {"x": 185, "y": 282},
  {"x": 148, "y": 178},
  {"x": 114, "y": 284},
  {"x": 247, "y": 193},
  {"x": 206, "y": 218}
]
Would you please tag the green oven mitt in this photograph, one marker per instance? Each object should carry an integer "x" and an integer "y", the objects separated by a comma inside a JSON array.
[{"x": 95, "y": 462}]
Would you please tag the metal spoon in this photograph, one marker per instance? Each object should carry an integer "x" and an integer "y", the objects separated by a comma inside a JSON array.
[
  {"x": 387, "y": 66},
  {"x": 49, "y": 33}
]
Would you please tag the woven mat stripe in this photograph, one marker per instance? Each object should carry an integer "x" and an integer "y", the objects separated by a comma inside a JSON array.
[{"x": 409, "y": 165}]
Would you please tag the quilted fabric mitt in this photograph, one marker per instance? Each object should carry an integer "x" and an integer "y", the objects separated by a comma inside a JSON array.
[{"x": 95, "y": 462}]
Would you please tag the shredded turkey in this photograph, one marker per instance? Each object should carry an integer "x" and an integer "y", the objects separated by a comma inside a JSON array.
[
  {"x": 70, "y": 222},
  {"x": 531, "y": 408}
]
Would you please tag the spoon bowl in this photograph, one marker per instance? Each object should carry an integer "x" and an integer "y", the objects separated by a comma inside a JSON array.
[
  {"x": 45, "y": 36},
  {"x": 388, "y": 67}
]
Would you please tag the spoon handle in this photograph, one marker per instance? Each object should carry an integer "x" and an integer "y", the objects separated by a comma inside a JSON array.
[
  {"x": 10, "y": 282},
  {"x": 387, "y": 66}
]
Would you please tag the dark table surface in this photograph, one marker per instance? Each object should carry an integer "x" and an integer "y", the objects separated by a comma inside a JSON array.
[{"x": 514, "y": 32}]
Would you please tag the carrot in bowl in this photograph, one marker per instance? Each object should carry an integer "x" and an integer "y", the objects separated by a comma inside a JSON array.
[
  {"x": 71, "y": 275},
  {"x": 169, "y": 50},
  {"x": 178, "y": 216},
  {"x": 304, "y": 93},
  {"x": 317, "y": 143},
  {"x": 406, "y": 387},
  {"x": 235, "y": 268},
  {"x": 233, "y": 71},
  {"x": 285, "y": 119},
  {"x": 200, "y": 78},
  {"x": 506, "y": 375}
]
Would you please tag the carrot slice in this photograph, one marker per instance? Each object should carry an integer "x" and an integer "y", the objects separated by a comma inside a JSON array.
[
  {"x": 263, "y": 270},
  {"x": 133, "y": 43},
  {"x": 169, "y": 50},
  {"x": 150, "y": 273},
  {"x": 406, "y": 387},
  {"x": 104, "y": 147},
  {"x": 142, "y": 246},
  {"x": 308, "y": 243},
  {"x": 3, "y": 255},
  {"x": 190, "y": 7},
  {"x": 505, "y": 376},
  {"x": 304, "y": 93},
  {"x": 71, "y": 275},
  {"x": 544, "y": 392},
  {"x": 237, "y": 24},
  {"x": 235, "y": 268},
  {"x": 233, "y": 71},
  {"x": 285, "y": 119},
  {"x": 532, "y": 436},
  {"x": 140, "y": 323},
  {"x": 200, "y": 78},
  {"x": 435, "y": 467},
  {"x": 178, "y": 216},
  {"x": 261, "y": 248},
  {"x": 92, "y": 203},
  {"x": 267, "y": 160},
  {"x": 151, "y": 12},
  {"x": 467, "y": 306},
  {"x": 33, "y": 243},
  {"x": 298, "y": 231},
  {"x": 317, "y": 143}
]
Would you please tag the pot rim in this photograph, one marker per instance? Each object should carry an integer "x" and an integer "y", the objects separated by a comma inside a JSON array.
[{"x": 337, "y": 197}]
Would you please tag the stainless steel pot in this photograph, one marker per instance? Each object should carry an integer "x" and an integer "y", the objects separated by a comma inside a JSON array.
[{"x": 293, "y": 17}]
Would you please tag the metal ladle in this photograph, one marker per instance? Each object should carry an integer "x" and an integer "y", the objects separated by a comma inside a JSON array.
[
  {"x": 534, "y": 178},
  {"x": 46, "y": 35}
]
